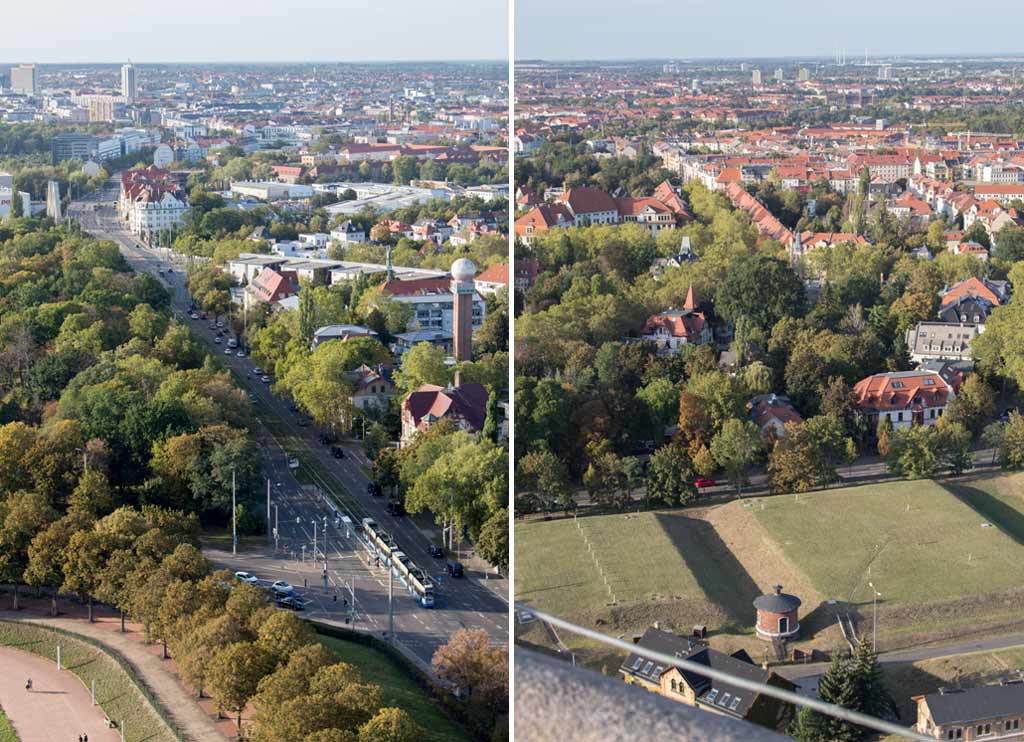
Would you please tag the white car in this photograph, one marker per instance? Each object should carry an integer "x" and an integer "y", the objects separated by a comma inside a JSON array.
[
  {"x": 240, "y": 354},
  {"x": 293, "y": 463},
  {"x": 227, "y": 351},
  {"x": 246, "y": 577},
  {"x": 265, "y": 379},
  {"x": 280, "y": 586}
]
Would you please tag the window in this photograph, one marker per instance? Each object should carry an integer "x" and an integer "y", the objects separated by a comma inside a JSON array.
[
  {"x": 648, "y": 667},
  {"x": 735, "y": 702},
  {"x": 724, "y": 699},
  {"x": 658, "y": 671},
  {"x": 712, "y": 695},
  {"x": 673, "y": 685},
  {"x": 928, "y": 382},
  {"x": 637, "y": 662},
  {"x": 899, "y": 417}
]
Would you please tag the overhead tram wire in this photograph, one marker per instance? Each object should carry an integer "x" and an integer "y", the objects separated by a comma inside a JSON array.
[{"x": 830, "y": 709}]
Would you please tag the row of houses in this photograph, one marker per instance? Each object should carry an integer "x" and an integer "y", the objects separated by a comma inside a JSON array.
[{"x": 576, "y": 207}]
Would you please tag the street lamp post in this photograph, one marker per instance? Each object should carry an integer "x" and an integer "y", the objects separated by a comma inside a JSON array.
[
  {"x": 875, "y": 595},
  {"x": 277, "y": 533},
  {"x": 234, "y": 518}
]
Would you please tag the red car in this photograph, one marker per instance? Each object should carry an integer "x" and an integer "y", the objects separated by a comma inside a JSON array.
[{"x": 702, "y": 482}]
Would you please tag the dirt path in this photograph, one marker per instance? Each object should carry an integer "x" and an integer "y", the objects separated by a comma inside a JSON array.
[
  {"x": 58, "y": 707},
  {"x": 195, "y": 724}
]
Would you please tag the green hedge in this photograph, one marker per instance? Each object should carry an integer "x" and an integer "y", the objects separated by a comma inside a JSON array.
[
  {"x": 119, "y": 692},
  {"x": 7, "y": 733}
]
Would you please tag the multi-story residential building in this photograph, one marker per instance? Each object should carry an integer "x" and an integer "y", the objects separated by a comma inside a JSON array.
[
  {"x": 674, "y": 329},
  {"x": 465, "y": 405},
  {"x": 941, "y": 341},
  {"x": 152, "y": 201},
  {"x": 904, "y": 398},
  {"x": 348, "y": 233}
]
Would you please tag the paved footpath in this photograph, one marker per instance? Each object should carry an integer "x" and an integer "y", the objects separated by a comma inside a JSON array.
[
  {"x": 57, "y": 709},
  {"x": 194, "y": 722}
]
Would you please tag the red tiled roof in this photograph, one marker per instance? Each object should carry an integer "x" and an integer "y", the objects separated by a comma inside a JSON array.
[
  {"x": 417, "y": 286},
  {"x": 495, "y": 274},
  {"x": 587, "y": 200},
  {"x": 467, "y": 402},
  {"x": 902, "y": 391}
]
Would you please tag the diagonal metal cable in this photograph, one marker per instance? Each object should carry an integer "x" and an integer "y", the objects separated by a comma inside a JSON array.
[{"x": 830, "y": 709}]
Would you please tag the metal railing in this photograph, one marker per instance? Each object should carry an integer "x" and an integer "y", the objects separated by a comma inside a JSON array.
[{"x": 829, "y": 709}]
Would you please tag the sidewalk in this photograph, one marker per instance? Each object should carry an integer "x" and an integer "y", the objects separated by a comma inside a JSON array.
[
  {"x": 159, "y": 675},
  {"x": 58, "y": 707}
]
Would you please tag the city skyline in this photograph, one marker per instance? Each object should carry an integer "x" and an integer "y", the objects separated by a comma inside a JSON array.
[{"x": 200, "y": 33}]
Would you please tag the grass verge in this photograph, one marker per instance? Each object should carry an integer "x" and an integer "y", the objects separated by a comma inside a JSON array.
[
  {"x": 399, "y": 689},
  {"x": 7, "y": 733},
  {"x": 118, "y": 692}
]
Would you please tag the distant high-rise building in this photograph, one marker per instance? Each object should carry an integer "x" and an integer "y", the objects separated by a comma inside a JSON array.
[
  {"x": 779, "y": 77},
  {"x": 743, "y": 66},
  {"x": 101, "y": 107},
  {"x": 885, "y": 72},
  {"x": 24, "y": 80},
  {"x": 53, "y": 209},
  {"x": 803, "y": 75},
  {"x": 129, "y": 87},
  {"x": 756, "y": 78}
]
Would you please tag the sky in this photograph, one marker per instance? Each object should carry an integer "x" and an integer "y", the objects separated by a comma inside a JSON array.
[
  {"x": 659, "y": 29},
  {"x": 68, "y": 31}
]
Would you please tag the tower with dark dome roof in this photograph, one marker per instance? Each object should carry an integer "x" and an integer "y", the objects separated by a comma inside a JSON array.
[{"x": 777, "y": 614}]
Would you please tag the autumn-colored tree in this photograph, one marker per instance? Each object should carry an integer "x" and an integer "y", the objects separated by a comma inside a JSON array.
[
  {"x": 469, "y": 662},
  {"x": 234, "y": 674},
  {"x": 390, "y": 725}
]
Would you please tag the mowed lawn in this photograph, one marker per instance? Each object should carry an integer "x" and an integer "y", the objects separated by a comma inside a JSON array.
[
  {"x": 999, "y": 499},
  {"x": 631, "y": 558},
  {"x": 398, "y": 689},
  {"x": 917, "y": 541}
]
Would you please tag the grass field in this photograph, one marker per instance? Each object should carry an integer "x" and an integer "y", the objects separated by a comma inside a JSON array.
[
  {"x": 941, "y": 573},
  {"x": 7, "y": 733},
  {"x": 399, "y": 689},
  {"x": 916, "y": 541},
  {"x": 116, "y": 692}
]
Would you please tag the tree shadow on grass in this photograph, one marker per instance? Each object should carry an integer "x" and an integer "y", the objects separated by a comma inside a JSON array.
[
  {"x": 719, "y": 574},
  {"x": 83, "y": 663},
  {"x": 1007, "y": 519}
]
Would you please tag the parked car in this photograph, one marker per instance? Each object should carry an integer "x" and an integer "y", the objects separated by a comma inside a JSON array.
[
  {"x": 240, "y": 354},
  {"x": 454, "y": 569},
  {"x": 396, "y": 509},
  {"x": 293, "y": 463},
  {"x": 258, "y": 371},
  {"x": 280, "y": 586},
  {"x": 246, "y": 577},
  {"x": 435, "y": 551},
  {"x": 339, "y": 453},
  {"x": 217, "y": 340},
  {"x": 265, "y": 379},
  {"x": 253, "y": 398},
  {"x": 291, "y": 603},
  {"x": 227, "y": 351},
  {"x": 194, "y": 315},
  {"x": 373, "y": 489},
  {"x": 702, "y": 482}
]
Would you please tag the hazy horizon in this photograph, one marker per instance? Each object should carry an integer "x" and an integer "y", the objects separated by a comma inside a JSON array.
[
  {"x": 305, "y": 31},
  {"x": 597, "y": 30}
]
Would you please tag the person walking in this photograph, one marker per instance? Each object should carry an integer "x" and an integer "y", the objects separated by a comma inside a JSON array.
[{"x": 28, "y": 684}]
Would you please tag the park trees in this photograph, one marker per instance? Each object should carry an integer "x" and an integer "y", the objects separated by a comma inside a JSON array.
[
  {"x": 735, "y": 447},
  {"x": 670, "y": 477},
  {"x": 234, "y": 673},
  {"x": 470, "y": 663}
]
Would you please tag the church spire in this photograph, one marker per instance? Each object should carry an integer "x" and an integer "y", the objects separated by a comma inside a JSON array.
[{"x": 691, "y": 303}]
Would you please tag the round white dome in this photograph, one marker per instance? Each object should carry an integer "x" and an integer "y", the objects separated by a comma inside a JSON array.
[{"x": 463, "y": 270}]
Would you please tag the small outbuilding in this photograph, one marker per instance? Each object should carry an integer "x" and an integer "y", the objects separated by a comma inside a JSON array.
[{"x": 777, "y": 615}]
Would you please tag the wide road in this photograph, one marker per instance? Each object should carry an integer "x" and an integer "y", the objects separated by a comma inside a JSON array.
[{"x": 477, "y": 601}]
